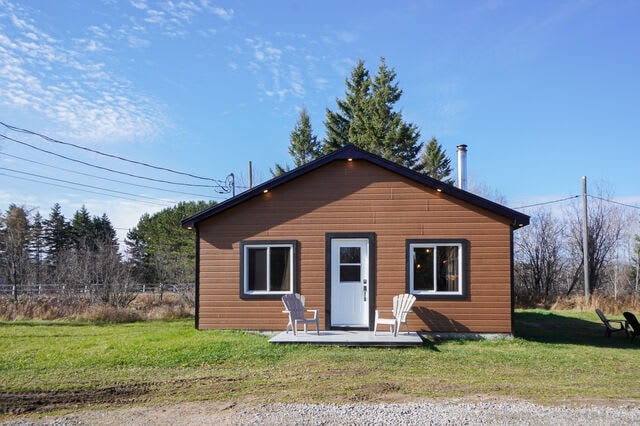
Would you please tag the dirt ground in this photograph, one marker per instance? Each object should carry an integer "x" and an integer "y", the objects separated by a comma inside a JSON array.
[{"x": 126, "y": 405}]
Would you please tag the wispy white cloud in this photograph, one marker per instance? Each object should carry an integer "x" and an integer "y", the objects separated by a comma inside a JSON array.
[
  {"x": 226, "y": 14},
  {"x": 276, "y": 68},
  {"x": 174, "y": 18},
  {"x": 61, "y": 81}
]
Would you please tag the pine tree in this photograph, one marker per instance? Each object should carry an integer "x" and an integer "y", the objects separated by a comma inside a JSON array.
[
  {"x": 57, "y": 234},
  {"x": 435, "y": 163},
  {"x": 397, "y": 139},
  {"x": 81, "y": 228},
  {"x": 304, "y": 146},
  {"x": 279, "y": 170},
  {"x": 159, "y": 249},
  {"x": 103, "y": 233},
  {"x": 338, "y": 124},
  {"x": 37, "y": 245},
  {"x": 366, "y": 118}
]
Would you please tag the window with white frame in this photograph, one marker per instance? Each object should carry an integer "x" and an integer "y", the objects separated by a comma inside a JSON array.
[
  {"x": 267, "y": 268},
  {"x": 435, "y": 268}
]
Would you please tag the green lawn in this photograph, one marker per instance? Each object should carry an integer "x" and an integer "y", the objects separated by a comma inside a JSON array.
[{"x": 558, "y": 357}]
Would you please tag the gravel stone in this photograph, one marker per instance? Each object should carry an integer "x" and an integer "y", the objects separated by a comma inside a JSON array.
[{"x": 448, "y": 412}]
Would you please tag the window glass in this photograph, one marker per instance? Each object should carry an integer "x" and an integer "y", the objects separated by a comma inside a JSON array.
[
  {"x": 349, "y": 254},
  {"x": 257, "y": 269},
  {"x": 435, "y": 268},
  {"x": 423, "y": 268},
  {"x": 280, "y": 268},
  {"x": 349, "y": 273},
  {"x": 447, "y": 268},
  {"x": 349, "y": 264},
  {"x": 268, "y": 268}
]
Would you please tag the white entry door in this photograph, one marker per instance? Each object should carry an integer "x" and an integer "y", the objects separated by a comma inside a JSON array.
[{"x": 350, "y": 282}]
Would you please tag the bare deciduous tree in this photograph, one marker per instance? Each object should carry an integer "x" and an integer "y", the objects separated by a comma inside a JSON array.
[
  {"x": 539, "y": 260},
  {"x": 605, "y": 226}
]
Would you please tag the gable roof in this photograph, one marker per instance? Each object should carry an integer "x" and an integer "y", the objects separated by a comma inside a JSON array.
[{"x": 352, "y": 152}]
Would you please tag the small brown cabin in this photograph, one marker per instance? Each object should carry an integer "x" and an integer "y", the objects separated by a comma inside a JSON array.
[{"x": 349, "y": 231}]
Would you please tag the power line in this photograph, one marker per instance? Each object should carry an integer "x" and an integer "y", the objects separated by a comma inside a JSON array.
[
  {"x": 83, "y": 190},
  {"x": 50, "y": 139},
  {"x": 614, "y": 202},
  {"x": 108, "y": 169},
  {"x": 105, "y": 178},
  {"x": 546, "y": 202},
  {"x": 84, "y": 185},
  {"x": 577, "y": 196}
]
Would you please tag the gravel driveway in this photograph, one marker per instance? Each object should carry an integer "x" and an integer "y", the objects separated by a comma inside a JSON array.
[{"x": 448, "y": 412}]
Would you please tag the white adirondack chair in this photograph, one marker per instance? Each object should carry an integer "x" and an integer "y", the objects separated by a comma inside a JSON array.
[
  {"x": 402, "y": 304},
  {"x": 294, "y": 307}
]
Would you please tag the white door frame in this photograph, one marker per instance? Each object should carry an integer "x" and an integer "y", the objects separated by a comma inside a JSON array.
[{"x": 350, "y": 303}]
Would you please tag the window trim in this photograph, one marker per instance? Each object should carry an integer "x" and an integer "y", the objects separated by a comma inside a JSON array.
[
  {"x": 463, "y": 268},
  {"x": 245, "y": 293}
]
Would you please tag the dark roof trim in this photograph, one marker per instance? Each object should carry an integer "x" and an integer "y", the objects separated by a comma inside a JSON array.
[{"x": 355, "y": 153}]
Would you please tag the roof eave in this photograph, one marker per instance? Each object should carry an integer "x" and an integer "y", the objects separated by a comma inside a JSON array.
[{"x": 351, "y": 152}]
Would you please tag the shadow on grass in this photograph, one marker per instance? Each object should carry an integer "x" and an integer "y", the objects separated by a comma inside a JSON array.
[{"x": 549, "y": 327}]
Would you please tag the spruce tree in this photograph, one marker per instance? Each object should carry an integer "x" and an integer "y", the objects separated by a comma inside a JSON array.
[
  {"x": 338, "y": 123},
  {"x": 397, "y": 140},
  {"x": 304, "y": 145},
  {"x": 367, "y": 119},
  {"x": 81, "y": 228},
  {"x": 435, "y": 163},
  {"x": 278, "y": 169},
  {"x": 37, "y": 245},
  {"x": 57, "y": 234}
]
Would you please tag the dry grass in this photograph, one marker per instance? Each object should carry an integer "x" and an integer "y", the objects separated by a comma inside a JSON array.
[
  {"x": 608, "y": 304},
  {"x": 145, "y": 306}
]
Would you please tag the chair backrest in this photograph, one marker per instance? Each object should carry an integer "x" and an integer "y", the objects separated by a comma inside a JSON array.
[
  {"x": 631, "y": 319},
  {"x": 294, "y": 303},
  {"x": 602, "y": 317},
  {"x": 402, "y": 304}
]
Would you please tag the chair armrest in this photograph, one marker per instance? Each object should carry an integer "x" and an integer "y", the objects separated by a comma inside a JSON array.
[
  {"x": 384, "y": 310},
  {"x": 313, "y": 311},
  {"x": 623, "y": 323}
]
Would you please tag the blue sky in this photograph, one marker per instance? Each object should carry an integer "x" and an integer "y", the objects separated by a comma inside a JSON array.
[{"x": 542, "y": 92}]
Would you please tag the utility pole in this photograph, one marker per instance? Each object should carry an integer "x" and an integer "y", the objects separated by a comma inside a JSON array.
[
  {"x": 585, "y": 239},
  {"x": 250, "y": 175}
]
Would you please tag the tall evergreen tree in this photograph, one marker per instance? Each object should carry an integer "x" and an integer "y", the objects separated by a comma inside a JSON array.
[
  {"x": 57, "y": 234},
  {"x": 398, "y": 139},
  {"x": 367, "y": 119},
  {"x": 304, "y": 146},
  {"x": 338, "y": 123},
  {"x": 81, "y": 228},
  {"x": 37, "y": 246},
  {"x": 435, "y": 163},
  {"x": 103, "y": 233}
]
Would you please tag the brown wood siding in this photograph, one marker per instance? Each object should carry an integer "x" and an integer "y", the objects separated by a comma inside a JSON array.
[{"x": 356, "y": 197}]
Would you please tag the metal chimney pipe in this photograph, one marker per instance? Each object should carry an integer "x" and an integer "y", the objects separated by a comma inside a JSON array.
[{"x": 462, "y": 167}]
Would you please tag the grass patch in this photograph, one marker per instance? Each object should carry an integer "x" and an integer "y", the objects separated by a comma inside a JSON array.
[{"x": 558, "y": 357}]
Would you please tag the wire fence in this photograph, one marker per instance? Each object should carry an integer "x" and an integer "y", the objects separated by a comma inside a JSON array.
[{"x": 56, "y": 289}]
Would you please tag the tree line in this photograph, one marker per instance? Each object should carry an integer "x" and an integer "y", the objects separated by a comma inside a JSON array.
[
  {"x": 549, "y": 253},
  {"x": 82, "y": 256}
]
